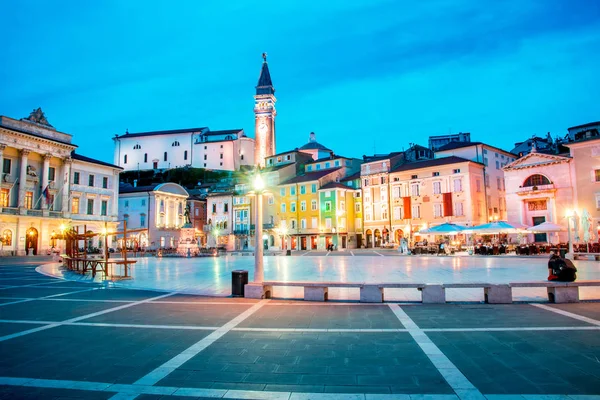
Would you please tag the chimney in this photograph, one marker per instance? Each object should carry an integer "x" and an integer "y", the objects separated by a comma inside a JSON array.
[{"x": 313, "y": 137}]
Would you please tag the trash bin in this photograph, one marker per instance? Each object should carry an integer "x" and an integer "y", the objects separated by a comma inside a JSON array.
[
  {"x": 238, "y": 279},
  {"x": 563, "y": 253},
  {"x": 288, "y": 252}
]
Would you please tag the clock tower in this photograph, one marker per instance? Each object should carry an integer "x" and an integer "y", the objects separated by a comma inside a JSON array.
[{"x": 264, "y": 116}]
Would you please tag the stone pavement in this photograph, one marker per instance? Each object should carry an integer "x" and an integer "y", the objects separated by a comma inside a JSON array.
[{"x": 67, "y": 340}]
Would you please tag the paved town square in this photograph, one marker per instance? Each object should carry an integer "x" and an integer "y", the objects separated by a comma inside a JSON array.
[{"x": 64, "y": 339}]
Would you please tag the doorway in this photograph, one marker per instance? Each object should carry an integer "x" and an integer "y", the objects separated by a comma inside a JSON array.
[
  {"x": 377, "y": 238},
  {"x": 369, "y": 239},
  {"x": 313, "y": 242},
  {"x": 539, "y": 237},
  {"x": 303, "y": 243},
  {"x": 343, "y": 242},
  {"x": 31, "y": 242}
]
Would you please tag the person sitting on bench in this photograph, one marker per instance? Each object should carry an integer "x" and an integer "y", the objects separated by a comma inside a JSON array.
[{"x": 560, "y": 269}]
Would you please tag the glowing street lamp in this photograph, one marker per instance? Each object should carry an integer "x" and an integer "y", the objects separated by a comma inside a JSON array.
[
  {"x": 259, "y": 187},
  {"x": 570, "y": 214}
]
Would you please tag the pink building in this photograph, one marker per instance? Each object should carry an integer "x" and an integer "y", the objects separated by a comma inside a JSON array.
[{"x": 540, "y": 188}]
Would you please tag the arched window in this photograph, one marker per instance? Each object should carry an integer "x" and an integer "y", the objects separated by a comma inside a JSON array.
[
  {"x": 145, "y": 157},
  {"x": 536, "y": 180},
  {"x": 7, "y": 237},
  {"x": 185, "y": 155},
  {"x": 125, "y": 159},
  {"x": 165, "y": 156},
  {"x": 137, "y": 147},
  {"x": 175, "y": 143}
]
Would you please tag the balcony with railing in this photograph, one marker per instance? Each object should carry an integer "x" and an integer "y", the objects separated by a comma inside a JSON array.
[{"x": 524, "y": 190}]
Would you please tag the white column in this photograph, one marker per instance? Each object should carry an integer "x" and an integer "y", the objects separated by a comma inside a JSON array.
[
  {"x": 45, "y": 171},
  {"x": 66, "y": 185},
  {"x": 258, "y": 251},
  {"x": 115, "y": 196},
  {"x": 23, "y": 177}
]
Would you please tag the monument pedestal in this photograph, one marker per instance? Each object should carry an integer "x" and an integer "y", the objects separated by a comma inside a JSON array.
[{"x": 188, "y": 245}]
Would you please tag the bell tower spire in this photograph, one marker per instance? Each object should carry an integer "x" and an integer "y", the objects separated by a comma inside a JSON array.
[{"x": 264, "y": 115}]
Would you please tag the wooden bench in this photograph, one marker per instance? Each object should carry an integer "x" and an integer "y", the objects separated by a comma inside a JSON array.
[
  {"x": 587, "y": 256},
  {"x": 558, "y": 292}
]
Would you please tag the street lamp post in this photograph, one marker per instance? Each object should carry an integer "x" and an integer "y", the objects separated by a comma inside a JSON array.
[
  {"x": 569, "y": 215},
  {"x": 259, "y": 273}
]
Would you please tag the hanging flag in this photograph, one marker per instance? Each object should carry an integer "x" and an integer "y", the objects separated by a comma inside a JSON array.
[{"x": 46, "y": 194}]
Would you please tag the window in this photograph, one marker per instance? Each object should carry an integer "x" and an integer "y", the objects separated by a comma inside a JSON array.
[
  {"x": 309, "y": 168},
  {"x": 165, "y": 156},
  {"x": 7, "y": 165},
  {"x": 293, "y": 206},
  {"x": 214, "y": 207},
  {"x": 485, "y": 161},
  {"x": 293, "y": 191},
  {"x": 342, "y": 206},
  {"x": 103, "y": 207},
  {"x": 303, "y": 206},
  {"x": 145, "y": 157},
  {"x": 4, "y": 197},
  {"x": 105, "y": 182},
  {"x": 478, "y": 185},
  {"x": 185, "y": 155},
  {"x": 384, "y": 211},
  {"x": 598, "y": 202},
  {"x": 366, "y": 183},
  {"x": 456, "y": 171},
  {"x": 328, "y": 193},
  {"x": 435, "y": 174},
  {"x": 270, "y": 200},
  {"x": 367, "y": 215},
  {"x": 313, "y": 188},
  {"x": 90, "y": 206},
  {"x": 499, "y": 183},
  {"x": 125, "y": 159},
  {"x": 221, "y": 156},
  {"x": 51, "y": 173},
  {"x": 7, "y": 237},
  {"x": 283, "y": 207},
  {"x": 397, "y": 213},
  {"x": 288, "y": 157},
  {"x": 303, "y": 223},
  {"x": 414, "y": 176},
  {"x": 327, "y": 206},
  {"x": 302, "y": 189},
  {"x": 126, "y": 203},
  {"x": 437, "y": 210},
  {"x": 497, "y": 164},
  {"x": 597, "y": 175},
  {"x": 357, "y": 207},
  {"x": 91, "y": 180},
  {"x": 416, "y": 211},
  {"x": 328, "y": 223},
  {"x": 175, "y": 144},
  {"x": 314, "y": 223},
  {"x": 342, "y": 223},
  {"x": 487, "y": 180},
  {"x": 458, "y": 209},
  {"x": 536, "y": 180},
  {"x": 318, "y": 167},
  {"x": 337, "y": 163},
  {"x": 358, "y": 223},
  {"x": 327, "y": 164},
  {"x": 313, "y": 205},
  {"x": 226, "y": 207},
  {"x": 282, "y": 192},
  {"x": 155, "y": 165},
  {"x": 458, "y": 185},
  {"x": 205, "y": 156},
  {"x": 76, "y": 178},
  {"x": 437, "y": 187},
  {"x": 75, "y": 205},
  {"x": 143, "y": 221},
  {"x": 143, "y": 202},
  {"x": 383, "y": 180},
  {"x": 414, "y": 189}
]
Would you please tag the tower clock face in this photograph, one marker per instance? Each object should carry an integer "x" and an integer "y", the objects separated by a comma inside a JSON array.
[{"x": 262, "y": 127}]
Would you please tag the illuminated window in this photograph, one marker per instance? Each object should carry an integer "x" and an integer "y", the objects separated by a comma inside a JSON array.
[
  {"x": 4, "y": 193},
  {"x": 75, "y": 205},
  {"x": 536, "y": 180},
  {"x": 7, "y": 237},
  {"x": 28, "y": 200}
]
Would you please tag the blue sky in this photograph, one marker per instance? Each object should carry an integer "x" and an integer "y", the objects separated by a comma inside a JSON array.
[{"x": 365, "y": 76}]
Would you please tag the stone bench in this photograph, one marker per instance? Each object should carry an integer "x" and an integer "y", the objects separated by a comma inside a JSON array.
[
  {"x": 587, "y": 256},
  {"x": 558, "y": 292}
]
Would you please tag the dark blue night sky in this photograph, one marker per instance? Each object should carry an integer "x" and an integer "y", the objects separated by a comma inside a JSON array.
[{"x": 362, "y": 75}]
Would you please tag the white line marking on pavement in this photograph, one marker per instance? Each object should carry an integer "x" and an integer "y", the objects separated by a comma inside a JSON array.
[
  {"x": 351, "y": 252},
  {"x": 457, "y": 381},
  {"x": 189, "y": 327},
  {"x": 25, "y": 300},
  {"x": 327, "y": 255},
  {"x": 303, "y": 254},
  {"x": 161, "y": 372},
  {"x": 567, "y": 314},
  {"x": 42, "y": 328},
  {"x": 378, "y": 253}
]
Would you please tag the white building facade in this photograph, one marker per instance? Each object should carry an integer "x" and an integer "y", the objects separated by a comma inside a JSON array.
[
  {"x": 46, "y": 188},
  {"x": 219, "y": 220},
  {"x": 196, "y": 147},
  {"x": 160, "y": 209}
]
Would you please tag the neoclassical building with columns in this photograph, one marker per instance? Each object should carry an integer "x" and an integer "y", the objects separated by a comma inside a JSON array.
[{"x": 45, "y": 187}]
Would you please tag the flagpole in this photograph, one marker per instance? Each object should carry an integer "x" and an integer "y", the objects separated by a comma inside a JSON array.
[{"x": 10, "y": 191}]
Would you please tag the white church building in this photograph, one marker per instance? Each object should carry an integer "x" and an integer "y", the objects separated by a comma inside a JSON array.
[{"x": 225, "y": 150}]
